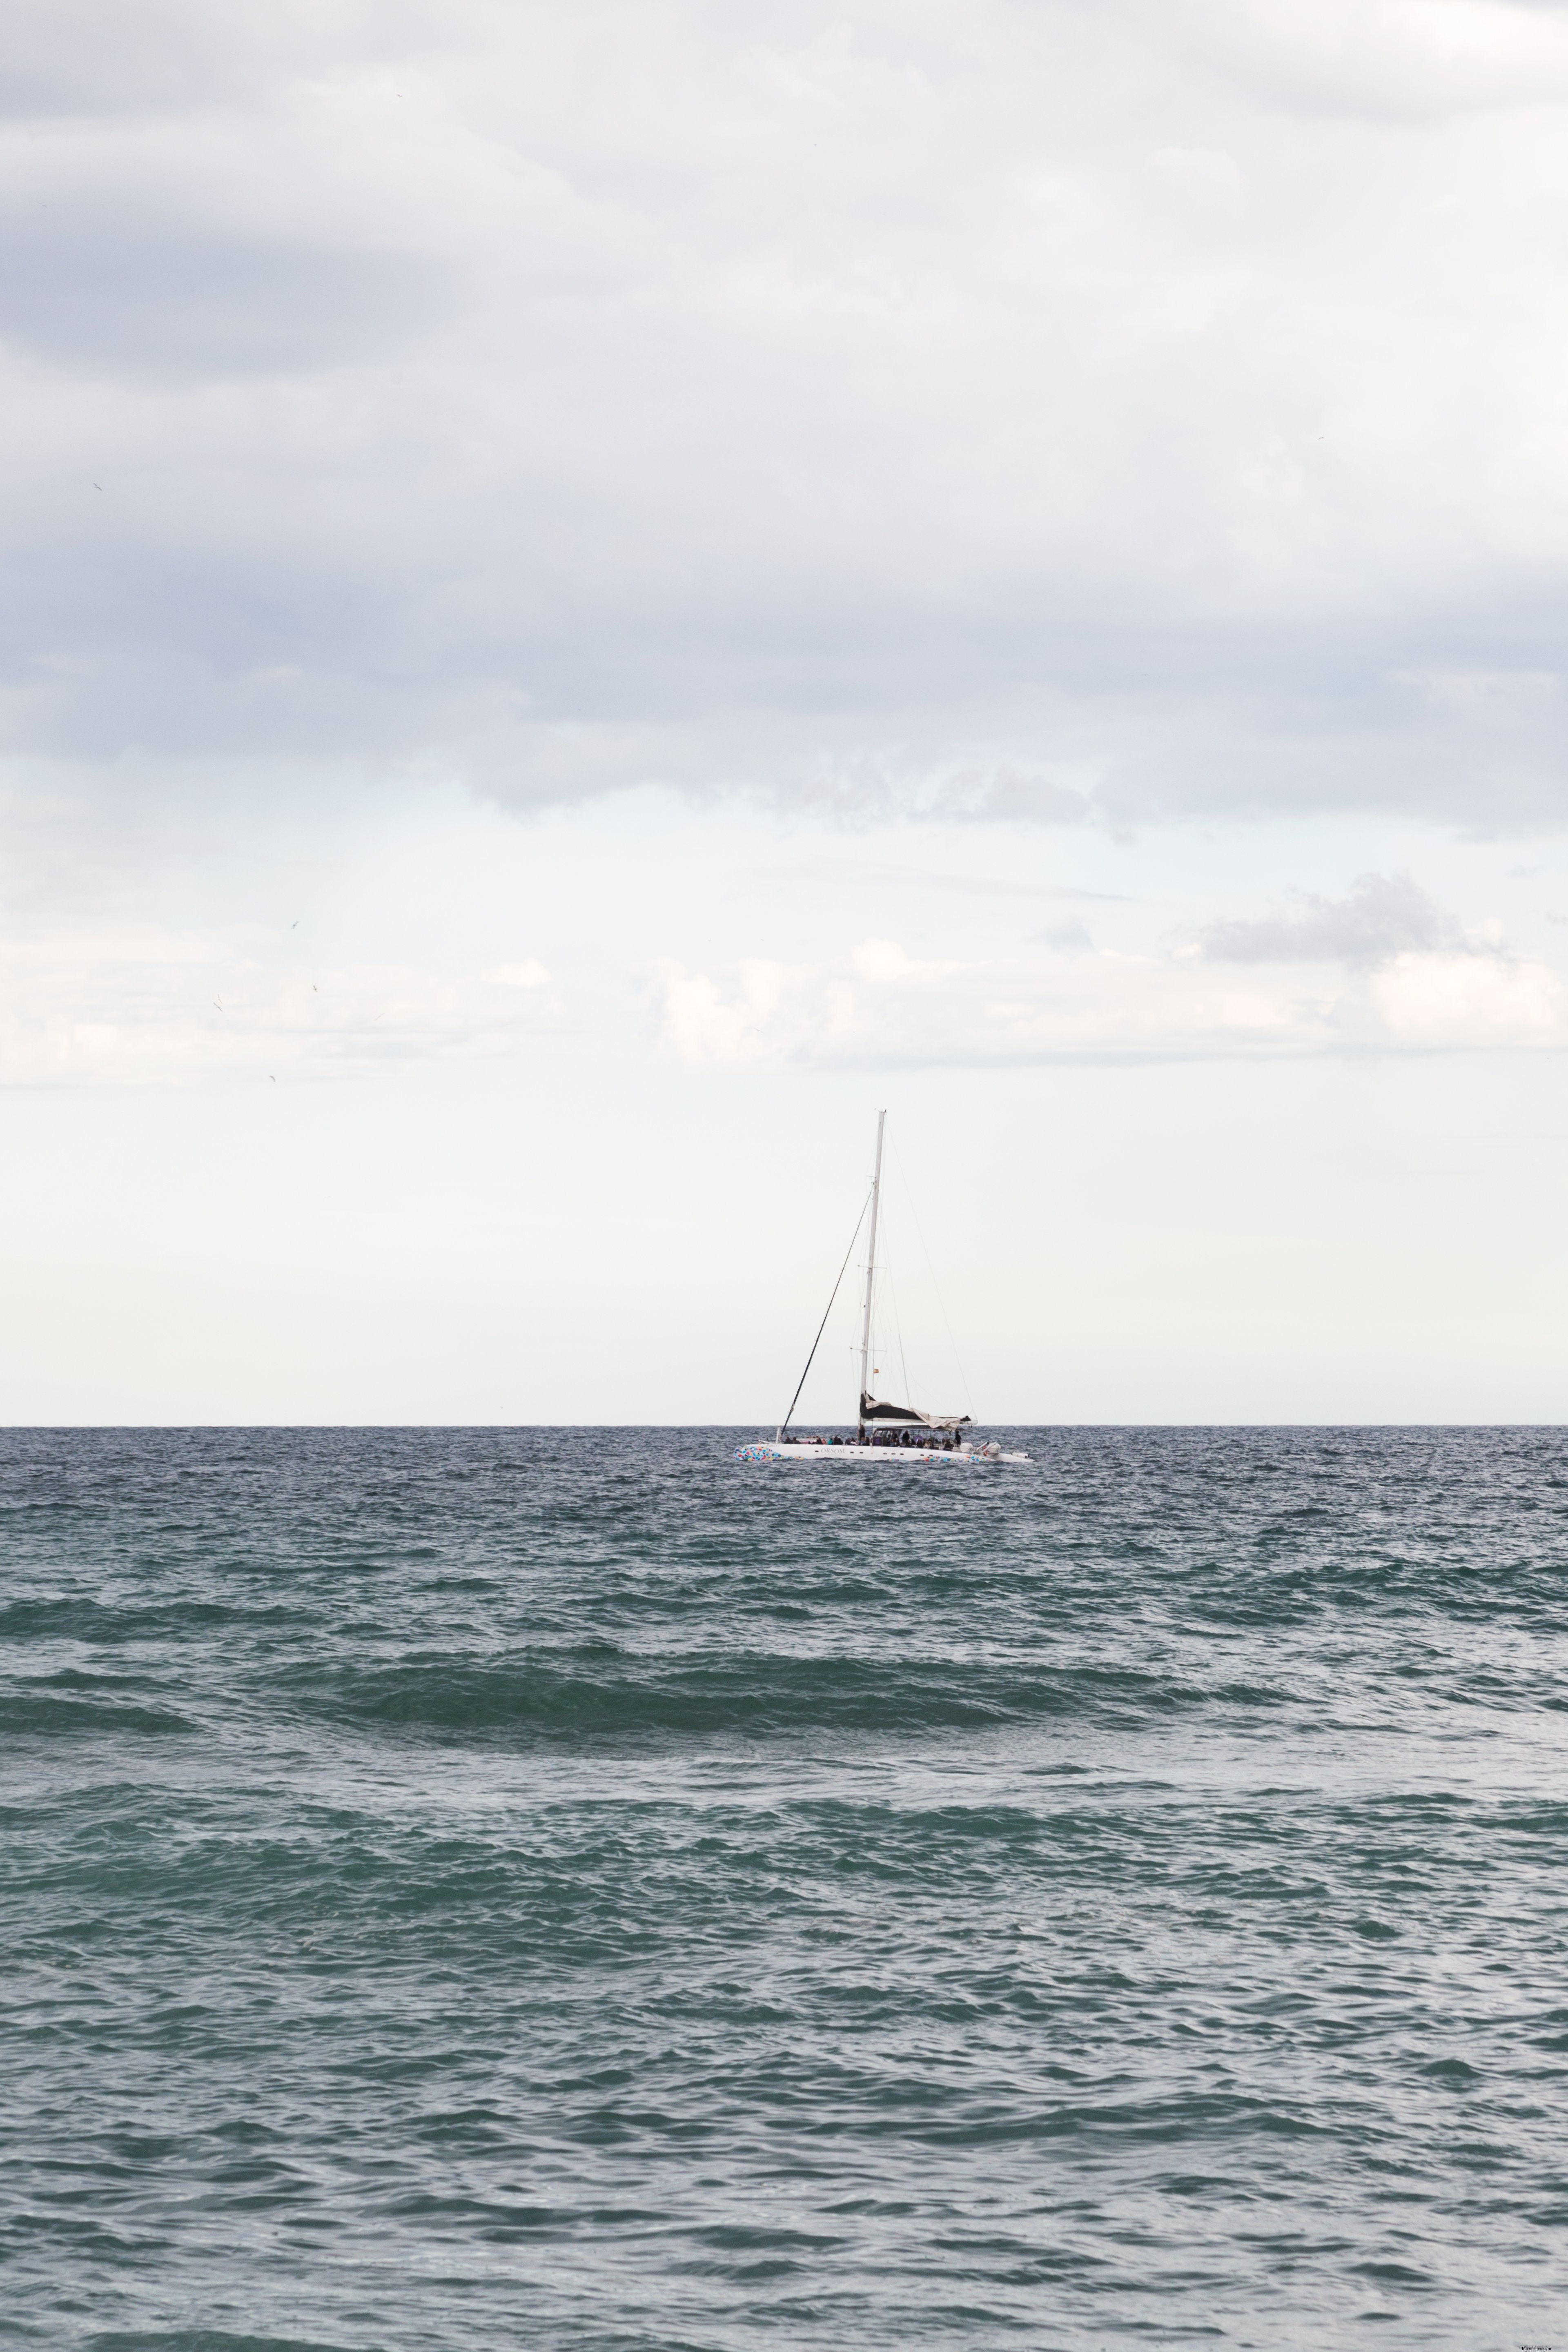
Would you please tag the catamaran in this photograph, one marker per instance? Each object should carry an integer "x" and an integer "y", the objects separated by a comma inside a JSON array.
[{"x": 884, "y": 1433}]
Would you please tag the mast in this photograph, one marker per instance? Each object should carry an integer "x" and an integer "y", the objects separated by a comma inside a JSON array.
[{"x": 871, "y": 1261}]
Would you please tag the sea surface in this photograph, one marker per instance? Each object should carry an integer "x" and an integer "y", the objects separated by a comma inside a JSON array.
[{"x": 569, "y": 1888}]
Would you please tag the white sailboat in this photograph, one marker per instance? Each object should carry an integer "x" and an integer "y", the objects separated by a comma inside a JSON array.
[{"x": 884, "y": 1433}]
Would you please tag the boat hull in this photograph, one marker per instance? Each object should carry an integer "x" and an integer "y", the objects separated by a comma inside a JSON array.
[{"x": 903, "y": 1457}]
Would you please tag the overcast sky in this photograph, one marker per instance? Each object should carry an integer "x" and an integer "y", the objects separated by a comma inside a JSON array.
[{"x": 592, "y": 594}]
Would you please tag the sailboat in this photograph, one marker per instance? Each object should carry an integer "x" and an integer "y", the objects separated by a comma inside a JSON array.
[{"x": 884, "y": 1433}]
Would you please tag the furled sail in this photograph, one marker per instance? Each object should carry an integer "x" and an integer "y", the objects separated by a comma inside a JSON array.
[{"x": 904, "y": 1416}]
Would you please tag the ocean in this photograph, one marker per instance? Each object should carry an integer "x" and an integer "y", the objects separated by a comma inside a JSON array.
[{"x": 569, "y": 1888}]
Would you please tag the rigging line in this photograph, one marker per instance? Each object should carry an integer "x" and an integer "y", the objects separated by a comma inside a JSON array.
[
  {"x": 822, "y": 1325},
  {"x": 942, "y": 1303}
]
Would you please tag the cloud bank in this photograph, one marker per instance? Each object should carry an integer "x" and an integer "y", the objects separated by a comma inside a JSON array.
[
  {"x": 1382, "y": 972},
  {"x": 1090, "y": 413}
]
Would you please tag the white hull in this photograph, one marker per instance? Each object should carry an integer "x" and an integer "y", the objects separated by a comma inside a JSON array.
[{"x": 903, "y": 1457}]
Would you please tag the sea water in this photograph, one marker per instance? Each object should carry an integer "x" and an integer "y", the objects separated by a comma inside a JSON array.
[{"x": 570, "y": 1888}]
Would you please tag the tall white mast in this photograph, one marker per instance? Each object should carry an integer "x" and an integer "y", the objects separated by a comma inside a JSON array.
[{"x": 871, "y": 1259}]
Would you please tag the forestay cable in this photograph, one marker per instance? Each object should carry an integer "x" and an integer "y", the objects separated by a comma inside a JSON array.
[{"x": 822, "y": 1325}]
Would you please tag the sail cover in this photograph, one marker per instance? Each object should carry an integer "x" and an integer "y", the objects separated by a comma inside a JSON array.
[{"x": 904, "y": 1416}]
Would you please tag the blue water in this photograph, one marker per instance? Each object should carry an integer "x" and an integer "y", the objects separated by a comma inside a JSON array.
[{"x": 567, "y": 1888}]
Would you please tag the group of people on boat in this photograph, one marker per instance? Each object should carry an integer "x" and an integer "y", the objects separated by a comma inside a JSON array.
[{"x": 929, "y": 1441}]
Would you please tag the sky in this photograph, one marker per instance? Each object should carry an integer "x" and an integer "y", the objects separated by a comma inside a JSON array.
[{"x": 594, "y": 595}]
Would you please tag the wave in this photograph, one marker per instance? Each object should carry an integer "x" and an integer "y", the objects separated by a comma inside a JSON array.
[
  {"x": 546, "y": 1697},
  {"x": 85, "y": 1706}
]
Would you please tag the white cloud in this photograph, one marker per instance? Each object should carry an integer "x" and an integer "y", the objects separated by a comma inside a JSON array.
[
  {"x": 1404, "y": 58},
  {"x": 879, "y": 1005},
  {"x": 1469, "y": 1000}
]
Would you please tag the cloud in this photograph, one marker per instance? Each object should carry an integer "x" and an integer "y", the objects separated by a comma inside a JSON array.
[
  {"x": 1399, "y": 59},
  {"x": 881, "y": 1006},
  {"x": 74, "y": 58},
  {"x": 1457, "y": 1000},
  {"x": 171, "y": 298},
  {"x": 1382, "y": 917},
  {"x": 1055, "y": 414}
]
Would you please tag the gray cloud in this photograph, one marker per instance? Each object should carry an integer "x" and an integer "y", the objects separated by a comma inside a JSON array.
[
  {"x": 1382, "y": 916},
  {"x": 177, "y": 298},
  {"x": 569, "y": 400},
  {"x": 70, "y": 59},
  {"x": 1071, "y": 938}
]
